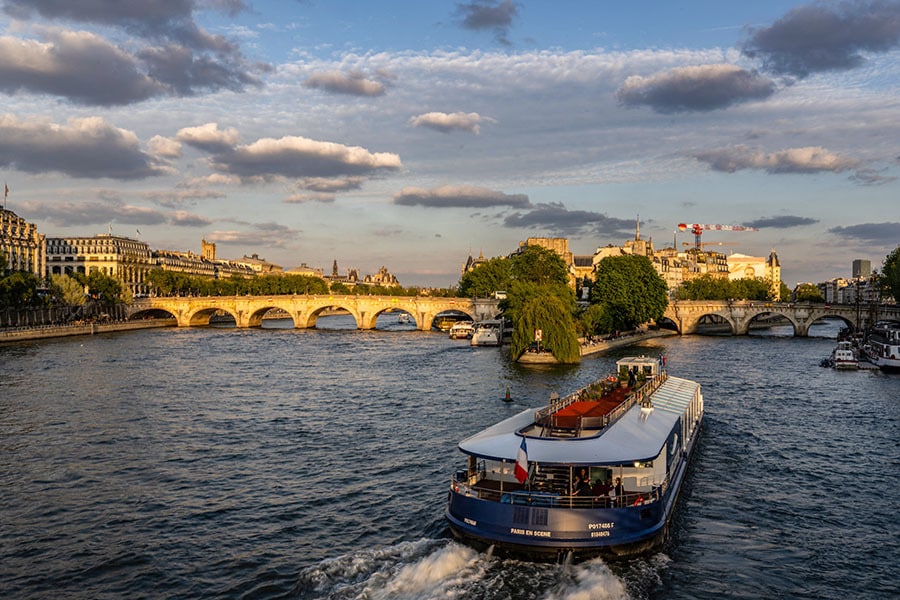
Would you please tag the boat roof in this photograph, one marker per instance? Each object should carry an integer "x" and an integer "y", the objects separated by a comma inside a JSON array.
[{"x": 637, "y": 436}]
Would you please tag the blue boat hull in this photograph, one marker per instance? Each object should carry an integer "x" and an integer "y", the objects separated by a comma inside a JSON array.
[{"x": 547, "y": 532}]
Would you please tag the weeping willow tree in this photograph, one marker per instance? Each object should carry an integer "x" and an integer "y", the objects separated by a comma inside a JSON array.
[{"x": 550, "y": 308}]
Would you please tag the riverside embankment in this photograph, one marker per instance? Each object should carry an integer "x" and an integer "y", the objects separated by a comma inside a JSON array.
[
  {"x": 628, "y": 339},
  {"x": 25, "y": 334},
  {"x": 596, "y": 346}
]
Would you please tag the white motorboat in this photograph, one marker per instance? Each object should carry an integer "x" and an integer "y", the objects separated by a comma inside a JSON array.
[
  {"x": 462, "y": 330},
  {"x": 844, "y": 356},
  {"x": 488, "y": 333}
]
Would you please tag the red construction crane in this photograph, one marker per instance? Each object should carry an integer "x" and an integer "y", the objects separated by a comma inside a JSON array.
[{"x": 698, "y": 228}]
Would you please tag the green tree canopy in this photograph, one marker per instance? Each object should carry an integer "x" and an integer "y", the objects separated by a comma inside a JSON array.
[
  {"x": 172, "y": 283},
  {"x": 485, "y": 279},
  {"x": 630, "y": 289},
  {"x": 594, "y": 319},
  {"x": 784, "y": 292},
  {"x": 709, "y": 287},
  {"x": 19, "y": 289},
  {"x": 539, "y": 265},
  {"x": 534, "y": 264},
  {"x": 67, "y": 289},
  {"x": 548, "y": 307},
  {"x": 807, "y": 292},
  {"x": 890, "y": 273},
  {"x": 103, "y": 288}
]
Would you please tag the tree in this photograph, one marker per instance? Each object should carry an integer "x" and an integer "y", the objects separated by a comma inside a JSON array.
[
  {"x": 547, "y": 307},
  {"x": 890, "y": 273},
  {"x": 594, "y": 319},
  {"x": 538, "y": 265},
  {"x": 485, "y": 279},
  {"x": 19, "y": 289},
  {"x": 709, "y": 287},
  {"x": 784, "y": 291},
  {"x": 747, "y": 288},
  {"x": 67, "y": 289},
  {"x": 630, "y": 289},
  {"x": 103, "y": 288},
  {"x": 807, "y": 292},
  {"x": 340, "y": 288},
  {"x": 705, "y": 287}
]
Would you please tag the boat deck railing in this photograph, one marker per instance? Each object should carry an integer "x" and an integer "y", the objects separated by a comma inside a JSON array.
[
  {"x": 493, "y": 490},
  {"x": 639, "y": 395}
]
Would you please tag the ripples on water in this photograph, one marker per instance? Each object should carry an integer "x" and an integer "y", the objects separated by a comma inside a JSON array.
[{"x": 280, "y": 463}]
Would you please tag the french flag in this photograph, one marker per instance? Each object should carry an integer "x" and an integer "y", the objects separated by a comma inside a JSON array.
[{"x": 521, "y": 470}]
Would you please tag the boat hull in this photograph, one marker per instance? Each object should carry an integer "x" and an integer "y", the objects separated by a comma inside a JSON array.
[
  {"x": 888, "y": 364},
  {"x": 520, "y": 531},
  {"x": 846, "y": 365}
]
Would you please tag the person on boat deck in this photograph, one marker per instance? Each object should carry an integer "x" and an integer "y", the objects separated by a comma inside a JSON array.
[
  {"x": 619, "y": 490},
  {"x": 576, "y": 482},
  {"x": 583, "y": 474},
  {"x": 583, "y": 486},
  {"x": 602, "y": 488}
]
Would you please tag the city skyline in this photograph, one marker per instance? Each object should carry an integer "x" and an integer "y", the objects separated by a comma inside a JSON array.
[{"x": 413, "y": 134}]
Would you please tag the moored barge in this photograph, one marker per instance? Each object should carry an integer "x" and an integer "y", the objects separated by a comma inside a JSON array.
[
  {"x": 596, "y": 472},
  {"x": 883, "y": 346}
]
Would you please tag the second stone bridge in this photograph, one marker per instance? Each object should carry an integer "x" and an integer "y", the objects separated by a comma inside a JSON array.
[{"x": 687, "y": 315}]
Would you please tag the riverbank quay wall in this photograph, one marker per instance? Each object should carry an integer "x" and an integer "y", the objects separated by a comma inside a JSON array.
[
  {"x": 687, "y": 315},
  {"x": 248, "y": 311},
  {"x": 24, "y": 334}
]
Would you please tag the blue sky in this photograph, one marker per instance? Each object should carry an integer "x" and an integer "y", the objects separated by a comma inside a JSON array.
[{"x": 410, "y": 134}]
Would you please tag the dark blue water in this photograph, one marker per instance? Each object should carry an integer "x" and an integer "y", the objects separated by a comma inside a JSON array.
[{"x": 279, "y": 463}]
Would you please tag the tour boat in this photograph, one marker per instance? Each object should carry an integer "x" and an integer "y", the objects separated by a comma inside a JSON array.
[
  {"x": 883, "y": 346},
  {"x": 462, "y": 330},
  {"x": 521, "y": 492},
  {"x": 443, "y": 322},
  {"x": 844, "y": 357},
  {"x": 488, "y": 333}
]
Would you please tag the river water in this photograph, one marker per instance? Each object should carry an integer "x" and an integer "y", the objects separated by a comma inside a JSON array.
[{"x": 282, "y": 463}]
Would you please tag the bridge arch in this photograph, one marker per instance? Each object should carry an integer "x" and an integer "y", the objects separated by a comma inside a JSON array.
[
  {"x": 762, "y": 316},
  {"x": 825, "y": 316},
  {"x": 718, "y": 318},
  {"x": 373, "y": 318},
  {"x": 255, "y": 318},
  {"x": 310, "y": 318},
  {"x": 201, "y": 316}
]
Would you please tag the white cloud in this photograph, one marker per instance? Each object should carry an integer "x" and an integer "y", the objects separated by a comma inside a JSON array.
[
  {"x": 446, "y": 122},
  {"x": 809, "y": 159},
  {"x": 164, "y": 147},
  {"x": 354, "y": 83},
  {"x": 209, "y": 137},
  {"x": 295, "y": 156},
  {"x": 456, "y": 196},
  {"x": 86, "y": 148}
]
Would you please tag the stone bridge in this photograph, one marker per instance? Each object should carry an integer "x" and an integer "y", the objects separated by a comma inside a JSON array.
[
  {"x": 686, "y": 315},
  {"x": 248, "y": 311}
]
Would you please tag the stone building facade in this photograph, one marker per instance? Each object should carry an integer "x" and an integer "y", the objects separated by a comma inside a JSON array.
[
  {"x": 120, "y": 257},
  {"x": 20, "y": 243}
]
